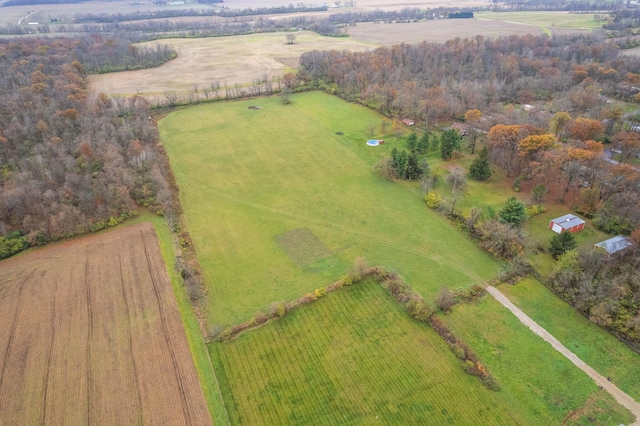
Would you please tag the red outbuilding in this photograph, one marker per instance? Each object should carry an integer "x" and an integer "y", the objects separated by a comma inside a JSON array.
[{"x": 568, "y": 222}]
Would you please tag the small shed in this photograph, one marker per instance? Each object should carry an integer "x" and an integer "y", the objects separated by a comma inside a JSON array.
[
  {"x": 408, "y": 122},
  {"x": 568, "y": 222},
  {"x": 615, "y": 245}
]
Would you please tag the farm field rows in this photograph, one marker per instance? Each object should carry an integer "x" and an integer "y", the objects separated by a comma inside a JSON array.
[
  {"x": 91, "y": 334},
  {"x": 354, "y": 357},
  {"x": 278, "y": 204}
]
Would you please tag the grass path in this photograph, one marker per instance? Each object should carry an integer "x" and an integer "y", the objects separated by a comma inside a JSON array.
[{"x": 623, "y": 399}]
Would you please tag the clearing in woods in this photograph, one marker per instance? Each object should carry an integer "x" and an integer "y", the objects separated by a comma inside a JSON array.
[{"x": 92, "y": 334}]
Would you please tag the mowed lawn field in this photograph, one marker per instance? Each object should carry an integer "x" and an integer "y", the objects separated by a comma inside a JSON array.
[
  {"x": 91, "y": 334},
  {"x": 278, "y": 204},
  {"x": 353, "y": 357}
]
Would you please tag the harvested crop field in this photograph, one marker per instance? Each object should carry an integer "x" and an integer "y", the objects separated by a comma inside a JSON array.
[
  {"x": 436, "y": 31},
  {"x": 227, "y": 60},
  {"x": 92, "y": 334}
]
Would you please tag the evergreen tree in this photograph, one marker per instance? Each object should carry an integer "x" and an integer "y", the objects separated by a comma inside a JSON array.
[
  {"x": 413, "y": 168},
  {"x": 479, "y": 168},
  {"x": 562, "y": 243},
  {"x": 513, "y": 212},
  {"x": 435, "y": 143},
  {"x": 412, "y": 142},
  {"x": 449, "y": 142},
  {"x": 423, "y": 143}
]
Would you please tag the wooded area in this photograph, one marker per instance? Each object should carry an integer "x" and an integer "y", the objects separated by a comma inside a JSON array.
[{"x": 70, "y": 165}]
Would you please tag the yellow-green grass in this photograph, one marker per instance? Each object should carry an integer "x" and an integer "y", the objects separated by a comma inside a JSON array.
[
  {"x": 252, "y": 181},
  {"x": 194, "y": 335},
  {"x": 592, "y": 344},
  {"x": 545, "y": 19},
  {"x": 353, "y": 357},
  {"x": 533, "y": 376}
]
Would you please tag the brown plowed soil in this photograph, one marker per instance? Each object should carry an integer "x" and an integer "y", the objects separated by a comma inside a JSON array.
[{"x": 90, "y": 333}]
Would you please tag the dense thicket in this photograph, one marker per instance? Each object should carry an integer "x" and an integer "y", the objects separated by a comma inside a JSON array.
[
  {"x": 429, "y": 80},
  {"x": 69, "y": 165},
  {"x": 606, "y": 290}
]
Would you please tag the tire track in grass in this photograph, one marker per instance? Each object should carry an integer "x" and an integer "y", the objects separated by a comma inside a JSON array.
[
  {"x": 49, "y": 352},
  {"x": 167, "y": 338},
  {"x": 13, "y": 328},
  {"x": 133, "y": 359}
]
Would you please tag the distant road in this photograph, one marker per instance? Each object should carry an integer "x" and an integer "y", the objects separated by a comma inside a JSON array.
[{"x": 26, "y": 16}]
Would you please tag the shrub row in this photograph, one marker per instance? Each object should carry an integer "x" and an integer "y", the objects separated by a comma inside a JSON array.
[
  {"x": 412, "y": 302},
  {"x": 461, "y": 350},
  {"x": 416, "y": 307}
]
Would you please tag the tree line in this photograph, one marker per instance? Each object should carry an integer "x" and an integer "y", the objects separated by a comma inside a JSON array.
[{"x": 69, "y": 164}]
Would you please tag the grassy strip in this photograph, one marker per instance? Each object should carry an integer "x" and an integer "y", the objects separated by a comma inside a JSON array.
[
  {"x": 592, "y": 344},
  {"x": 199, "y": 351}
]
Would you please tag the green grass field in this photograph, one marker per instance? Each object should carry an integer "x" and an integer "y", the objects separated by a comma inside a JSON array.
[
  {"x": 545, "y": 385},
  {"x": 278, "y": 204},
  {"x": 592, "y": 344},
  {"x": 354, "y": 357},
  {"x": 545, "y": 19}
]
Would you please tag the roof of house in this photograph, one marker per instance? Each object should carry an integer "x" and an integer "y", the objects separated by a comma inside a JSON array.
[
  {"x": 568, "y": 221},
  {"x": 615, "y": 244}
]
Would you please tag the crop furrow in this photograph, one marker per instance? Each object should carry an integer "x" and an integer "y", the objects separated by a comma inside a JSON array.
[{"x": 167, "y": 337}]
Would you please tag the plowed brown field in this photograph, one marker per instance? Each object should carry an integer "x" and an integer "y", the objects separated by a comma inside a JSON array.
[{"x": 90, "y": 333}]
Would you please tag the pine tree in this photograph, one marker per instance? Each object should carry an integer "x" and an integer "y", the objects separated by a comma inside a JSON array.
[
  {"x": 562, "y": 243},
  {"x": 480, "y": 169},
  {"x": 412, "y": 142},
  {"x": 423, "y": 143},
  {"x": 513, "y": 212},
  {"x": 449, "y": 142}
]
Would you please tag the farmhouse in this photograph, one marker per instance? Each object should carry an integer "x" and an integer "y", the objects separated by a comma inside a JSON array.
[
  {"x": 568, "y": 222},
  {"x": 615, "y": 245}
]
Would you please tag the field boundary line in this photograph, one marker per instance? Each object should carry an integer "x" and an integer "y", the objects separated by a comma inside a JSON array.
[
  {"x": 215, "y": 376},
  {"x": 621, "y": 397}
]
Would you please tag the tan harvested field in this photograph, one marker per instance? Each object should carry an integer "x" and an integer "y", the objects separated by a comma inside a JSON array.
[
  {"x": 242, "y": 59},
  {"x": 437, "y": 31},
  {"x": 91, "y": 334},
  {"x": 228, "y": 60}
]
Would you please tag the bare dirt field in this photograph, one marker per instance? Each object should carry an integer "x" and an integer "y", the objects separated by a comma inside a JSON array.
[
  {"x": 91, "y": 334},
  {"x": 228, "y": 60}
]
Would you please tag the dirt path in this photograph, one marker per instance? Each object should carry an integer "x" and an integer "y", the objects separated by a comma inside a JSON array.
[{"x": 622, "y": 398}]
